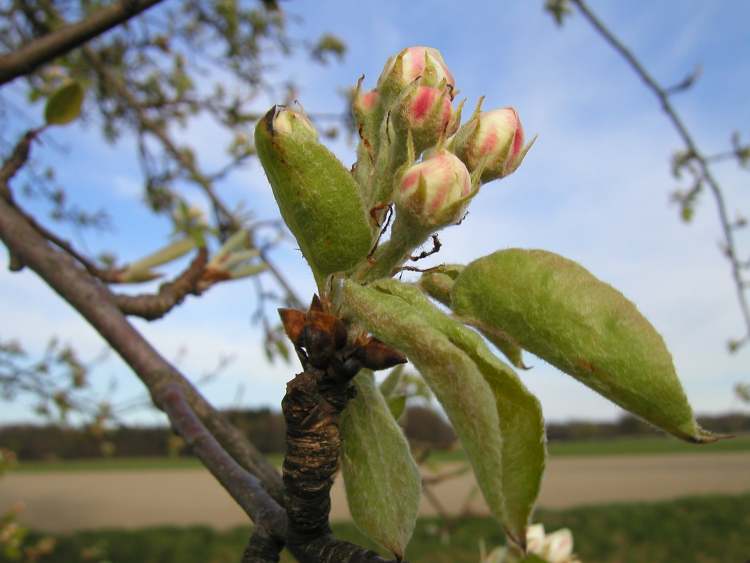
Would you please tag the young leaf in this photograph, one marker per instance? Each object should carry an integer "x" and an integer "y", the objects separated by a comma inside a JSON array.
[
  {"x": 519, "y": 412},
  {"x": 382, "y": 480},
  {"x": 64, "y": 105},
  {"x": 497, "y": 420},
  {"x": 557, "y": 310},
  {"x": 502, "y": 341},
  {"x": 317, "y": 195},
  {"x": 439, "y": 285},
  {"x": 438, "y": 282}
]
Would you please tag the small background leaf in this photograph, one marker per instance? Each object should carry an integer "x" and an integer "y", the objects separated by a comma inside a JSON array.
[
  {"x": 390, "y": 385},
  {"x": 383, "y": 484},
  {"x": 391, "y": 389},
  {"x": 64, "y": 105}
]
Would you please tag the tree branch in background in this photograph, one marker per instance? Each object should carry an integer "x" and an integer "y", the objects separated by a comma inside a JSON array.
[
  {"x": 107, "y": 275},
  {"x": 243, "y": 487},
  {"x": 10, "y": 167},
  {"x": 16, "y": 160},
  {"x": 692, "y": 154},
  {"x": 227, "y": 220},
  {"x": 170, "y": 294},
  {"x": 97, "y": 305},
  {"x": 42, "y": 50},
  {"x": 113, "y": 84}
]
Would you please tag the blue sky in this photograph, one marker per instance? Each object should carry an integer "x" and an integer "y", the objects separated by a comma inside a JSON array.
[{"x": 594, "y": 188}]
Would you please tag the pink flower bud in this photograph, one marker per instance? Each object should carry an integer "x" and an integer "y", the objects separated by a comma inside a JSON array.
[
  {"x": 366, "y": 102},
  {"x": 496, "y": 136},
  {"x": 428, "y": 114},
  {"x": 367, "y": 113},
  {"x": 424, "y": 63},
  {"x": 435, "y": 190}
]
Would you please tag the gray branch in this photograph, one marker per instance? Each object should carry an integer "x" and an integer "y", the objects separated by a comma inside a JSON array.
[
  {"x": 96, "y": 304},
  {"x": 662, "y": 94},
  {"x": 40, "y": 51}
]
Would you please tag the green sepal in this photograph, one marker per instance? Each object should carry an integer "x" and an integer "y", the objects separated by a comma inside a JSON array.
[
  {"x": 554, "y": 308},
  {"x": 513, "y": 166},
  {"x": 466, "y": 130},
  {"x": 497, "y": 420},
  {"x": 382, "y": 481},
  {"x": 317, "y": 196},
  {"x": 64, "y": 105}
]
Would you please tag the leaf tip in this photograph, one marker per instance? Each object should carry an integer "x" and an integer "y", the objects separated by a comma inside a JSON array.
[{"x": 703, "y": 436}]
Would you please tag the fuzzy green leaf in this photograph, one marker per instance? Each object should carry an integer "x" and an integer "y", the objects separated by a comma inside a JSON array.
[
  {"x": 497, "y": 420},
  {"x": 439, "y": 285},
  {"x": 317, "y": 196},
  {"x": 438, "y": 282},
  {"x": 64, "y": 105},
  {"x": 383, "y": 484},
  {"x": 557, "y": 310}
]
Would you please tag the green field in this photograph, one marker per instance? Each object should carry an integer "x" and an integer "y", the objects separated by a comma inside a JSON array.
[
  {"x": 620, "y": 446},
  {"x": 651, "y": 445},
  {"x": 712, "y": 529},
  {"x": 647, "y": 445}
]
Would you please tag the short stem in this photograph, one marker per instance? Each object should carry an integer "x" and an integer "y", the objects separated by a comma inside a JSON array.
[{"x": 406, "y": 235}]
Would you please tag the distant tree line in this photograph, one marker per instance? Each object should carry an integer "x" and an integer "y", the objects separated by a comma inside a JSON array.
[
  {"x": 627, "y": 425},
  {"x": 266, "y": 428}
]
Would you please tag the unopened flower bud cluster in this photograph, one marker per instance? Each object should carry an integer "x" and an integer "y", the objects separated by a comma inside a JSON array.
[{"x": 438, "y": 165}]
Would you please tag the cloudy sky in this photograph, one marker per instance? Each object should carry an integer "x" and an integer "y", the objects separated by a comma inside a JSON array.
[{"x": 595, "y": 187}]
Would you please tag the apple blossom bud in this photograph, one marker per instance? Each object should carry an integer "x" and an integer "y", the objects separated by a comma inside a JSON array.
[
  {"x": 412, "y": 63},
  {"x": 435, "y": 190},
  {"x": 368, "y": 114},
  {"x": 535, "y": 538},
  {"x": 495, "y": 139},
  {"x": 426, "y": 111},
  {"x": 558, "y": 546},
  {"x": 365, "y": 103}
]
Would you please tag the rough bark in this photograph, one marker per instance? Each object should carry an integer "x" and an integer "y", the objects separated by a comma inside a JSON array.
[{"x": 312, "y": 407}]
